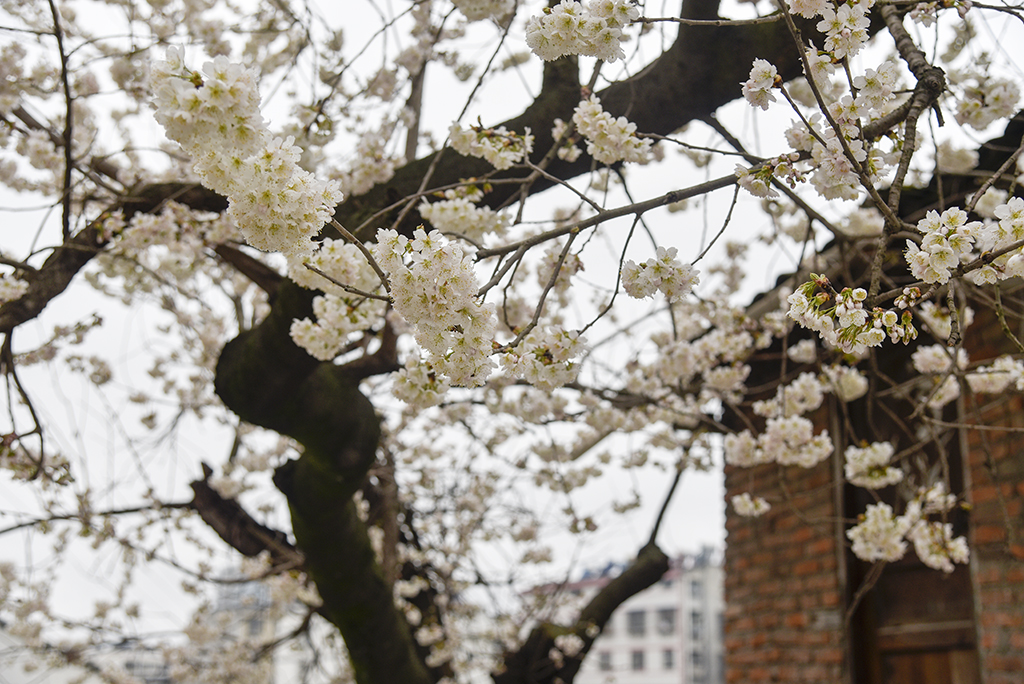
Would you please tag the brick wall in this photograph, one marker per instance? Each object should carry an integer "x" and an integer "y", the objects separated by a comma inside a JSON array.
[
  {"x": 996, "y": 495},
  {"x": 786, "y": 584},
  {"x": 783, "y": 583}
]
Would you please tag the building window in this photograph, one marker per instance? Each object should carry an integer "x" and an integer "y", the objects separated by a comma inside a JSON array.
[
  {"x": 668, "y": 659},
  {"x": 697, "y": 659},
  {"x": 637, "y": 661},
  {"x": 635, "y": 623},
  {"x": 604, "y": 661},
  {"x": 666, "y": 623},
  {"x": 255, "y": 626},
  {"x": 696, "y": 589},
  {"x": 696, "y": 626}
]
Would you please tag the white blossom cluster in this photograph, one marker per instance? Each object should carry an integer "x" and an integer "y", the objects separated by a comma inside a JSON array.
[
  {"x": 848, "y": 384},
  {"x": 478, "y": 10},
  {"x": 786, "y": 441},
  {"x": 880, "y": 535},
  {"x": 568, "y": 150},
  {"x": 863, "y": 223},
  {"x": 750, "y": 506},
  {"x": 1000, "y": 235},
  {"x": 834, "y": 175},
  {"x": 833, "y": 168},
  {"x": 845, "y": 27},
  {"x": 336, "y": 319},
  {"x": 939, "y": 320},
  {"x": 847, "y": 325},
  {"x": 215, "y": 117},
  {"x": 371, "y": 164},
  {"x": 339, "y": 313},
  {"x": 708, "y": 362},
  {"x": 876, "y": 87},
  {"x": 758, "y": 88},
  {"x": 176, "y": 228},
  {"x": 948, "y": 240},
  {"x": 462, "y": 216},
  {"x": 418, "y": 385},
  {"x": 662, "y": 272},
  {"x": 935, "y": 546},
  {"x": 501, "y": 147},
  {"x": 804, "y": 351},
  {"x": 925, "y": 12},
  {"x": 804, "y": 394},
  {"x": 952, "y": 159},
  {"x": 609, "y": 140},
  {"x": 11, "y": 287},
  {"x": 869, "y": 466},
  {"x": 937, "y": 360},
  {"x": 341, "y": 261},
  {"x": 996, "y": 378},
  {"x": 434, "y": 288},
  {"x": 983, "y": 98},
  {"x": 546, "y": 358},
  {"x": 593, "y": 29},
  {"x": 757, "y": 181}
]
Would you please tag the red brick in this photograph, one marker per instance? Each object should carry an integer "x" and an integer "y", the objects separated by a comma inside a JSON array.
[
  {"x": 1013, "y": 507},
  {"x": 990, "y": 575},
  {"x": 984, "y": 494},
  {"x": 807, "y": 567},
  {"x": 830, "y": 599},
  {"x": 989, "y": 641},
  {"x": 1005, "y": 663},
  {"x": 995, "y": 618},
  {"x": 997, "y": 678},
  {"x": 796, "y": 620},
  {"x": 828, "y": 655},
  {"x": 821, "y": 547},
  {"x": 986, "y": 534}
]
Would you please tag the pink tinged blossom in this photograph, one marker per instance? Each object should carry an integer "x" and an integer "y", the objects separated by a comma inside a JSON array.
[{"x": 757, "y": 89}]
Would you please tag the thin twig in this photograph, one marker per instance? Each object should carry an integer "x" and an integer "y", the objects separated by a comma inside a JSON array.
[
  {"x": 366, "y": 253},
  {"x": 637, "y": 208},
  {"x": 347, "y": 288},
  {"x": 68, "y": 123},
  {"x": 770, "y": 19}
]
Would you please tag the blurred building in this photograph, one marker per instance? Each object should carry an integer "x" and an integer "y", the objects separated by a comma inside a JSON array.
[{"x": 669, "y": 634}]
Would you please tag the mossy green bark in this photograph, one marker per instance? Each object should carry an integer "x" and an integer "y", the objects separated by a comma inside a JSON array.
[{"x": 267, "y": 380}]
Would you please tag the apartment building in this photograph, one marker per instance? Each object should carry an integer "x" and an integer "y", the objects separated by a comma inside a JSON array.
[{"x": 669, "y": 634}]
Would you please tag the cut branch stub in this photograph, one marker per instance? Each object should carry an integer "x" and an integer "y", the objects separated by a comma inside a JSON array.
[{"x": 532, "y": 662}]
